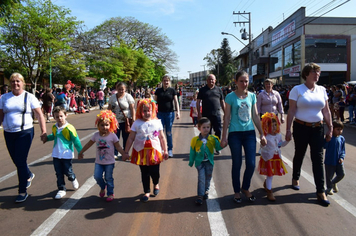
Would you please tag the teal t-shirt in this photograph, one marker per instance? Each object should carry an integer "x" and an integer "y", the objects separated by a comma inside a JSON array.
[{"x": 241, "y": 112}]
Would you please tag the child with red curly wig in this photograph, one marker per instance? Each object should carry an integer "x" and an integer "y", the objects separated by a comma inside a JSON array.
[
  {"x": 270, "y": 162},
  {"x": 106, "y": 142},
  {"x": 149, "y": 145}
]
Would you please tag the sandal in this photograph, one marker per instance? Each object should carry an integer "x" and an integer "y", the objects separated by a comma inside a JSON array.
[
  {"x": 102, "y": 193},
  {"x": 110, "y": 198}
]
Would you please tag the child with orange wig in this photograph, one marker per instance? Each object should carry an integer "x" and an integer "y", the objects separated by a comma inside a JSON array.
[
  {"x": 106, "y": 142},
  {"x": 149, "y": 145},
  {"x": 270, "y": 162}
]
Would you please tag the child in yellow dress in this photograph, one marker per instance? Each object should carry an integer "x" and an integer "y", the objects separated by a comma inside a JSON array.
[
  {"x": 270, "y": 161},
  {"x": 149, "y": 145}
]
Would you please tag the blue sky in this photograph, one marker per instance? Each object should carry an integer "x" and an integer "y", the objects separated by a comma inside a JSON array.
[{"x": 195, "y": 26}]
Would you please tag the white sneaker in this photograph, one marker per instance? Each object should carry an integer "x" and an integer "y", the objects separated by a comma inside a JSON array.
[
  {"x": 60, "y": 194},
  {"x": 75, "y": 184},
  {"x": 170, "y": 153}
]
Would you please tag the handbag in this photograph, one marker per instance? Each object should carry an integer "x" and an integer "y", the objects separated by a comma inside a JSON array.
[{"x": 128, "y": 121}]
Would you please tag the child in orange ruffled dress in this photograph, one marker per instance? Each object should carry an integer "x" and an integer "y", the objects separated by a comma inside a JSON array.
[
  {"x": 149, "y": 145},
  {"x": 270, "y": 162}
]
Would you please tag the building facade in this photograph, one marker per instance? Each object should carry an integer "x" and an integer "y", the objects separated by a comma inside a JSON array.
[{"x": 282, "y": 52}]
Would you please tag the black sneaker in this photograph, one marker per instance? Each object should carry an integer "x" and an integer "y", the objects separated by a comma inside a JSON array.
[
  {"x": 21, "y": 198},
  {"x": 199, "y": 201},
  {"x": 206, "y": 196},
  {"x": 29, "y": 181}
]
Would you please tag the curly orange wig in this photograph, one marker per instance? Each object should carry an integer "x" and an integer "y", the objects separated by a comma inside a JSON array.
[
  {"x": 107, "y": 115},
  {"x": 267, "y": 119},
  {"x": 151, "y": 104}
]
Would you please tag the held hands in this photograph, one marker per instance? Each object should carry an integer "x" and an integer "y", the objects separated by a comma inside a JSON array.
[
  {"x": 44, "y": 137},
  {"x": 125, "y": 156},
  {"x": 263, "y": 141},
  {"x": 328, "y": 135},
  {"x": 288, "y": 136},
  {"x": 80, "y": 156},
  {"x": 223, "y": 142}
]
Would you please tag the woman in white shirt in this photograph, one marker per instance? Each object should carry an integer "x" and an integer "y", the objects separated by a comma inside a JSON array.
[
  {"x": 16, "y": 117},
  {"x": 308, "y": 106}
]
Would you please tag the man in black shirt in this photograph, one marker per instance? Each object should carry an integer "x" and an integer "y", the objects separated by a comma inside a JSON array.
[{"x": 212, "y": 102}]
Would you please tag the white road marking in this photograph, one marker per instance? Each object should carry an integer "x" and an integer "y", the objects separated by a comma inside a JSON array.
[
  {"x": 216, "y": 220},
  {"x": 48, "y": 225},
  {"x": 38, "y": 161}
]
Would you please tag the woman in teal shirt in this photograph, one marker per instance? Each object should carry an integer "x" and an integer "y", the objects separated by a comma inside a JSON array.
[{"x": 240, "y": 116}]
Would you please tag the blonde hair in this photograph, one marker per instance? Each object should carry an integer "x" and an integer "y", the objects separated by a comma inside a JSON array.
[{"x": 17, "y": 76}]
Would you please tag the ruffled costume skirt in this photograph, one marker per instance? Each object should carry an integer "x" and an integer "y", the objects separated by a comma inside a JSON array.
[
  {"x": 274, "y": 166},
  {"x": 148, "y": 156}
]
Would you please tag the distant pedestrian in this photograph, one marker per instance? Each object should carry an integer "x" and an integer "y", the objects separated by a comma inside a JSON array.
[
  {"x": 334, "y": 158},
  {"x": 165, "y": 98},
  {"x": 106, "y": 141},
  {"x": 149, "y": 146},
  {"x": 194, "y": 110},
  {"x": 202, "y": 154},
  {"x": 64, "y": 136},
  {"x": 212, "y": 99},
  {"x": 100, "y": 97},
  {"x": 48, "y": 100}
]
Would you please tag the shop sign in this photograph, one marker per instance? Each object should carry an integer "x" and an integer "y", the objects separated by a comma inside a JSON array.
[
  {"x": 294, "y": 74},
  {"x": 292, "y": 69},
  {"x": 286, "y": 32}
]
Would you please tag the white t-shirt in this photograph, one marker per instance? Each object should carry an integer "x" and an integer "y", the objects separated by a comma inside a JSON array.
[
  {"x": 309, "y": 103},
  {"x": 125, "y": 105},
  {"x": 13, "y": 107},
  {"x": 59, "y": 151},
  {"x": 147, "y": 130},
  {"x": 105, "y": 147}
]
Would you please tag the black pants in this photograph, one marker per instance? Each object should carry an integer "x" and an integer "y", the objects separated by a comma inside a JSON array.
[
  {"x": 314, "y": 137},
  {"x": 215, "y": 124},
  {"x": 146, "y": 173}
]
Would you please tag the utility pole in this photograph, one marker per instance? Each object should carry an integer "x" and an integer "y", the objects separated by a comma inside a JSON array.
[{"x": 247, "y": 17}]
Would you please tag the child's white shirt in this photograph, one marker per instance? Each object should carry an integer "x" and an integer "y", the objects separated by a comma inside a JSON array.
[
  {"x": 147, "y": 130},
  {"x": 274, "y": 142}
]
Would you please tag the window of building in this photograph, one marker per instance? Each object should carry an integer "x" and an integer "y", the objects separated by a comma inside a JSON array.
[
  {"x": 292, "y": 55},
  {"x": 276, "y": 61},
  {"x": 325, "y": 50}
]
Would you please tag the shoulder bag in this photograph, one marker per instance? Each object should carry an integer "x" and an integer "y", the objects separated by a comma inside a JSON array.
[{"x": 128, "y": 121}]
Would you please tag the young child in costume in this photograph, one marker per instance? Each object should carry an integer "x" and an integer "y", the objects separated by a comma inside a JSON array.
[
  {"x": 64, "y": 136},
  {"x": 106, "y": 142},
  {"x": 149, "y": 145},
  {"x": 334, "y": 158},
  {"x": 270, "y": 161},
  {"x": 193, "y": 110},
  {"x": 202, "y": 153}
]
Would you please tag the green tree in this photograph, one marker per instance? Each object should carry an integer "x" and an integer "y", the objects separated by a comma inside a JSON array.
[
  {"x": 32, "y": 30},
  {"x": 220, "y": 62},
  {"x": 6, "y": 6}
]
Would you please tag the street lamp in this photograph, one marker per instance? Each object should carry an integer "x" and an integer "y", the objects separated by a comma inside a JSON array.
[{"x": 224, "y": 33}]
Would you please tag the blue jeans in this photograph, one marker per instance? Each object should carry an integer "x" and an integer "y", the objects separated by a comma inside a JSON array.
[
  {"x": 351, "y": 113},
  {"x": 103, "y": 174},
  {"x": 101, "y": 104},
  {"x": 63, "y": 167},
  {"x": 18, "y": 144},
  {"x": 121, "y": 129},
  {"x": 205, "y": 173},
  {"x": 247, "y": 140},
  {"x": 314, "y": 137},
  {"x": 167, "y": 119}
]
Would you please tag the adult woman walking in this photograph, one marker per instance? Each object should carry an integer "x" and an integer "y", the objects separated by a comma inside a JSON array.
[
  {"x": 240, "y": 116},
  {"x": 269, "y": 100},
  {"x": 165, "y": 97},
  {"x": 122, "y": 104},
  {"x": 308, "y": 104},
  {"x": 16, "y": 117}
]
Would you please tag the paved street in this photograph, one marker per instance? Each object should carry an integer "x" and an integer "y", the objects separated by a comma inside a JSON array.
[{"x": 173, "y": 211}]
